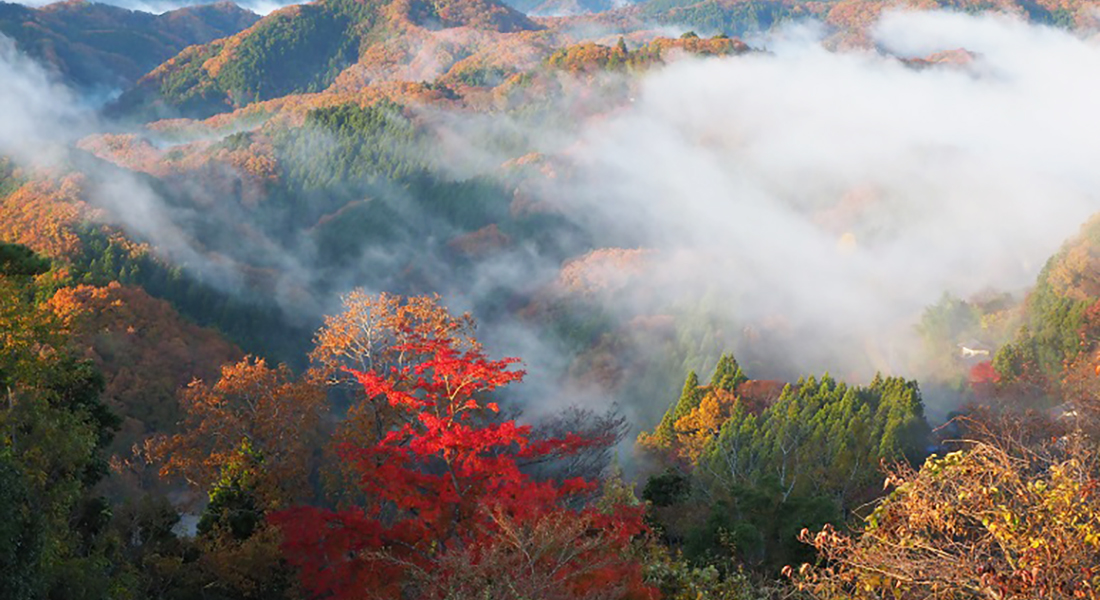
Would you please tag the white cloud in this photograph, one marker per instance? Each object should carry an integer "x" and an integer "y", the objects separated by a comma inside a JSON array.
[
  {"x": 35, "y": 111},
  {"x": 755, "y": 173}
]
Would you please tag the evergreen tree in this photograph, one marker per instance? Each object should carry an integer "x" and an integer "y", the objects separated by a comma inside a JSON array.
[
  {"x": 17, "y": 260},
  {"x": 689, "y": 399},
  {"x": 53, "y": 427},
  {"x": 727, "y": 374}
]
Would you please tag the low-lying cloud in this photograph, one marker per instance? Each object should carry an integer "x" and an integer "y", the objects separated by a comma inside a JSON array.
[
  {"x": 839, "y": 193},
  {"x": 38, "y": 113},
  {"x": 821, "y": 197},
  {"x": 43, "y": 119}
]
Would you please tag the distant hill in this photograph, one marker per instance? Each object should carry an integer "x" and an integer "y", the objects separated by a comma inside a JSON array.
[
  {"x": 348, "y": 46},
  {"x": 1062, "y": 316},
  {"x": 558, "y": 8},
  {"x": 301, "y": 49},
  {"x": 98, "y": 46},
  {"x": 848, "y": 18}
]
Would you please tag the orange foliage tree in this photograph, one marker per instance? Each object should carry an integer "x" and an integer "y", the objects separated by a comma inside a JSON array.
[
  {"x": 145, "y": 350},
  {"x": 255, "y": 411},
  {"x": 44, "y": 214},
  {"x": 702, "y": 423},
  {"x": 371, "y": 334},
  {"x": 449, "y": 513}
]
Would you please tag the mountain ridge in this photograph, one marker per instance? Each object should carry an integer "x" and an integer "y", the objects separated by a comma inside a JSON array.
[
  {"x": 100, "y": 46},
  {"x": 301, "y": 49}
]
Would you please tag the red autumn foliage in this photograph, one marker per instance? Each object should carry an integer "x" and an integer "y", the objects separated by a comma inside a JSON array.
[
  {"x": 758, "y": 394},
  {"x": 983, "y": 380},
  {"x": 447, "y": 499}
]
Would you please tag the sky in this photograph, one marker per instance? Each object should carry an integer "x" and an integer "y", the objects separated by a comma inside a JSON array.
[{"x": 261, "y": 7}]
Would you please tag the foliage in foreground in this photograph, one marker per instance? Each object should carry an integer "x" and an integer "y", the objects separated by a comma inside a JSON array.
[
  {"x": 750, "y": 463},
  {"x": 448, "y": 511},
  {"x": 1000, "y": 519}
]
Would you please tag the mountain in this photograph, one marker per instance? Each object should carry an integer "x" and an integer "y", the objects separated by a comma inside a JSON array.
[
  {"x": 306, "y": 48},
  {"x": 99, "y": 46},
  {"x": 561, "y": 8},
  {"x": 848, "y": 19},
  {"x": 616, "y": 222},
  {"x": 1058, "y": 349}
]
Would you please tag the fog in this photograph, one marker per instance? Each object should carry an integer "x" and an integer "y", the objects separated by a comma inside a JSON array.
[
  {"x": 837, "y": 194},
  {"x": 810, "y": 203},
  {"x": 39, "y": 114},
  {"x": 43, "y": 119},
  {"x": 815, "y": 202}
]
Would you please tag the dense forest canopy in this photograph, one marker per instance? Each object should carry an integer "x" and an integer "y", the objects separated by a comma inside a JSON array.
[{"x": 459, "y": 299}]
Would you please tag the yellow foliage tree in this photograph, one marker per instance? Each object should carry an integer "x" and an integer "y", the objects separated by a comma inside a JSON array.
[
  {"x": 995, "y": 520},
  {"x": 703, "y": 423}
]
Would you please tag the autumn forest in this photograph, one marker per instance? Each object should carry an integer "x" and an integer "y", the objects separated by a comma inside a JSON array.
[{"x": 550, "y": 300}]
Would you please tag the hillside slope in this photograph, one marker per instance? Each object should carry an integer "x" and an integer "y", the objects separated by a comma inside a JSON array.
[
  {"x": 101, "y": 46},
  {"x": 848, "y": 20},
  {"x": 1056, "y": 354},
  {"x": 301, "y": 49}
]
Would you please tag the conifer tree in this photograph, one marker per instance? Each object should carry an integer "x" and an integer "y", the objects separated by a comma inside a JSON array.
[{"x": 689, "y": 399}]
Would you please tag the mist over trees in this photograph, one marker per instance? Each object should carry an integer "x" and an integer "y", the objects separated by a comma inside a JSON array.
[{"x": 684, "y": 300}]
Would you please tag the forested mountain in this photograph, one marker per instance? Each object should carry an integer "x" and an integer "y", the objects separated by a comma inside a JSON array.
[
  {"x": 461, "y": 299},
  {"x": 849, "y": 17},
  {"x": 105, "y": 48},
  {"x": 343, "y": 46},
  {"x": 307, "y": 48}
]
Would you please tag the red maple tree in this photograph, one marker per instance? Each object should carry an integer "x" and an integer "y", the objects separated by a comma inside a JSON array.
[
  {"x": 448, "y": 505},
  {"x": 983, "y": 379}
]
